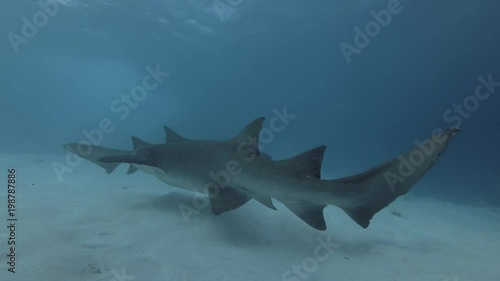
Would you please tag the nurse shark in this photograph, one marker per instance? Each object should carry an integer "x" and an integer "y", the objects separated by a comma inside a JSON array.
[{"x": 234, "y": 171}]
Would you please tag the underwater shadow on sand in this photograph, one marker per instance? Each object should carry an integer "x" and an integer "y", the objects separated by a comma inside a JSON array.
[{"x": 244, "y": 227}]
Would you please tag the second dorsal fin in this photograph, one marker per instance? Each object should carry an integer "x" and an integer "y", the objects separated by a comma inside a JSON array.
[
  {"x": 306, "y": 164},
  {"x": 138, "y": 143},
  {"x": 173, "y": 136},
  {"x": 247, "y": 141}
]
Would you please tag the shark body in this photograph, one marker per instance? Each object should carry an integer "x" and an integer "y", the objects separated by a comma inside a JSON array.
[{"x": 233, "y": 172}]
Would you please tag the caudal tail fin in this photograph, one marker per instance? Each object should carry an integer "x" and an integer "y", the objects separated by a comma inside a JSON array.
[
  {"x": 93, "y": 153},
  {"x": 367, "y": 193}
]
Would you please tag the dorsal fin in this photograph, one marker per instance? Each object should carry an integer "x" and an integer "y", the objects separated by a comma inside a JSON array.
[
  {"x": 173, "y": 136},
  {"x": 306, "y": 164},
  {"x": 138, "y": 143},
  {"x": 247, "y": 140}
]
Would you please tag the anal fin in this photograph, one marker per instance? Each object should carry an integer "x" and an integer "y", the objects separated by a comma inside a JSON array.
[{"x": 310, "y": 213}]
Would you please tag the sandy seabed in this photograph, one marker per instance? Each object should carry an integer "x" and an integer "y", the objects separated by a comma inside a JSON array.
[{"x": 118, "y": 227}]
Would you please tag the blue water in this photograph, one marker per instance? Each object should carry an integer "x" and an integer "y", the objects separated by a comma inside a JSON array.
[
  {"x": 365, "y": 78},
  {"x": 228, "y": 65}
]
